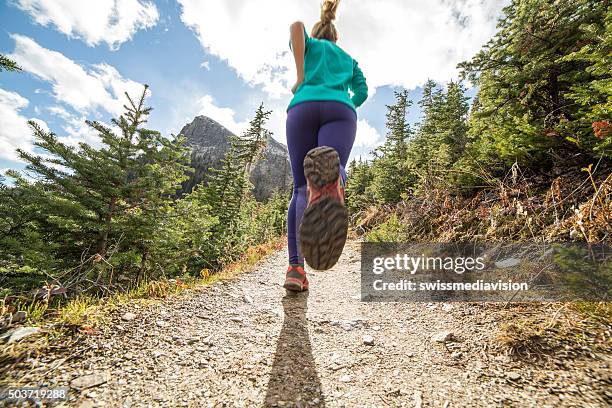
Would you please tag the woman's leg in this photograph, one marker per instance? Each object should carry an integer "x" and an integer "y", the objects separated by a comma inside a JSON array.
[
  {"x": 325, "y": 220},
  {"x": 338, "y": 130},
  {"x": 302, "y": 129}
]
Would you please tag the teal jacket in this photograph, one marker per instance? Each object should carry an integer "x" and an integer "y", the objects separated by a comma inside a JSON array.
[{"x": 329, "y": 73}]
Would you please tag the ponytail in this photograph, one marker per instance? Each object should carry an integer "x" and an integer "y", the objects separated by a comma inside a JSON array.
[{"x": 325, "y": 28}]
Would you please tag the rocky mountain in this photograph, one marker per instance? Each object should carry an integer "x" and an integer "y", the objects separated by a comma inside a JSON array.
[{"x": 209, "y": 142}]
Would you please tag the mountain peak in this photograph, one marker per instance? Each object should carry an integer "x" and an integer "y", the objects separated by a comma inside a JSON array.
[{"x": 210, "y": 141}]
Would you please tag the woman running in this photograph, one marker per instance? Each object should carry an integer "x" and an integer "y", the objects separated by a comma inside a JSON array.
[{"x": 321, "y": 128}]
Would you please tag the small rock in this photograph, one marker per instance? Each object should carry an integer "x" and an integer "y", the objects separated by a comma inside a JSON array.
[
  {"x": 443, "y": 337},
  {"x": 456, "y": 355},
  {"x": 502, "y": 358},
  {"x": 129, "y": 316},
  {"x": 447, "y": 307},
  {"x": 88, "y": 381},
  {"x": 508, "y": 263},
  {"x": 157, "y": 353},
  {"x": 248, "y": 299},
  {"x": 86, "y": 403},
  {"x": 345, "y": 378},
  {"x": 19, "y": 333},
  {"x": 368, "y": 340},
  {"x": 348, "y": 325},
  {"x": 161, "y": 323},
  {"x": 418, "y": 399},
  {"x": 236, "y": 319},
  {"x": 18, "y": 317},
  {"x": 513, "y": 376}
]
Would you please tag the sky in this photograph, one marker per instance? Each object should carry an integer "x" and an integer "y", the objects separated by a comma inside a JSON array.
[{"x": 215, "y": 58}]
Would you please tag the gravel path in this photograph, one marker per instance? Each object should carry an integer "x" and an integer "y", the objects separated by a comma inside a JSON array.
[{"x": 243, "y": 343}]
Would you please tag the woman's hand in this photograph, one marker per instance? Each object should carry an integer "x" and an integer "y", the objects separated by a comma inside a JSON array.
[{"x": 296, "y": 85}]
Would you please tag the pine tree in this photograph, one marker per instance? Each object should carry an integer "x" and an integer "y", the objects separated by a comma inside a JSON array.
[
  {"x": 24, "y": 248},
  {"x": 425, "y": 145},
  {"x": 441, "y": 137},
  {"x": 391, "y": 175},
  {"x": 229, "y": 187},
  {"x": 593, "y": 94},
  {"x": 8, "y": 64},
  {"x": 528, "y": 85},
  {"x": 358, "y": 186},
  {"x": 254, "y": 140},
  {"x": 228, "y": 184},
  {"x": 115, "y": 194}
]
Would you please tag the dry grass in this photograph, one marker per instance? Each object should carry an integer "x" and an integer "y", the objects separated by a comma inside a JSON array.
[
  {"x": 535, "y": 332},
  {"x": 82, "y": 315},
  {"x": 572, "y": 205},
  {"x": 576, "y": 205}
]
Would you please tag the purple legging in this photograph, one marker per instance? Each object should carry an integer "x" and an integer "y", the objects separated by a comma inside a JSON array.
[{"x": 309, "y": 125}]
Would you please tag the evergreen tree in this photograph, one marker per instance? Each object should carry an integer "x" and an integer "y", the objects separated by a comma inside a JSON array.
[
  {"x": 528, "y": 84},
  {"x": 358, "y": 186},
  {"x": 391, "y": 176},
  {"x": 442, "y": 135},
  {"x": 425, "y": 146},
  {"x": 8, "y": 64},
  {"x": 593, "y": 95},
  {"x": 94, "y": 214},
  {"x": 229, "y": 187},
  {"x": 254, "y": 140},
  {"x": 117, "y": 193}
]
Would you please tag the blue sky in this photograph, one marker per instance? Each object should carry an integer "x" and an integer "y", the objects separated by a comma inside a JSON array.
[{"x": 219, "y": 59}]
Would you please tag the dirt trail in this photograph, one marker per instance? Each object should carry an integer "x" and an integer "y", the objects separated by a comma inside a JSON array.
[{"x": 243, "y": 343}]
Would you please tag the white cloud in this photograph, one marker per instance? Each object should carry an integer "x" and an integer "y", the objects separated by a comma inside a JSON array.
[
  {"x": 82, "y": 93},
  {"x": 225, "y": 116},
  {"x": 396, "y": 42},
  {"x": 84, "y": 90},
  {"x": 14, "y": 130},
  {"x": 75, "y": 128},
  {"x": 244, "y": 33},
  {"x": 109, "y": 21},
  {"x": 205, "y": 65},
  {"x": 192, "y": 105},
  {"x": 367, "y": 136}
]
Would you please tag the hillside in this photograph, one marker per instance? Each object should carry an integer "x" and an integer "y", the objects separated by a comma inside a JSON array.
[{"x": 210, "y": 141}]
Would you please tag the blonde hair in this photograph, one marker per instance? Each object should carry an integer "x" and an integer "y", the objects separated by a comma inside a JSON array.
[{"x": 325, "y": 28}]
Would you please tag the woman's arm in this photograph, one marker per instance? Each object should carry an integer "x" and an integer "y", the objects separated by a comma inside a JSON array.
[
  {"x": 358, "y": 86},
  {"x": 298, "y": 45}
]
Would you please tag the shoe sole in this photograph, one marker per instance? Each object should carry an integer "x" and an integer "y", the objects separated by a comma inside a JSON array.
[
  {"x": 325, "y": 223},
  {"x": 295, "y": 286}
]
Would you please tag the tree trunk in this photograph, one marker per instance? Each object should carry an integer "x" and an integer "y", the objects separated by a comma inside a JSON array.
[
  {"x": 103, "y": 238},
  {"x": 143, "y": 266}
]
